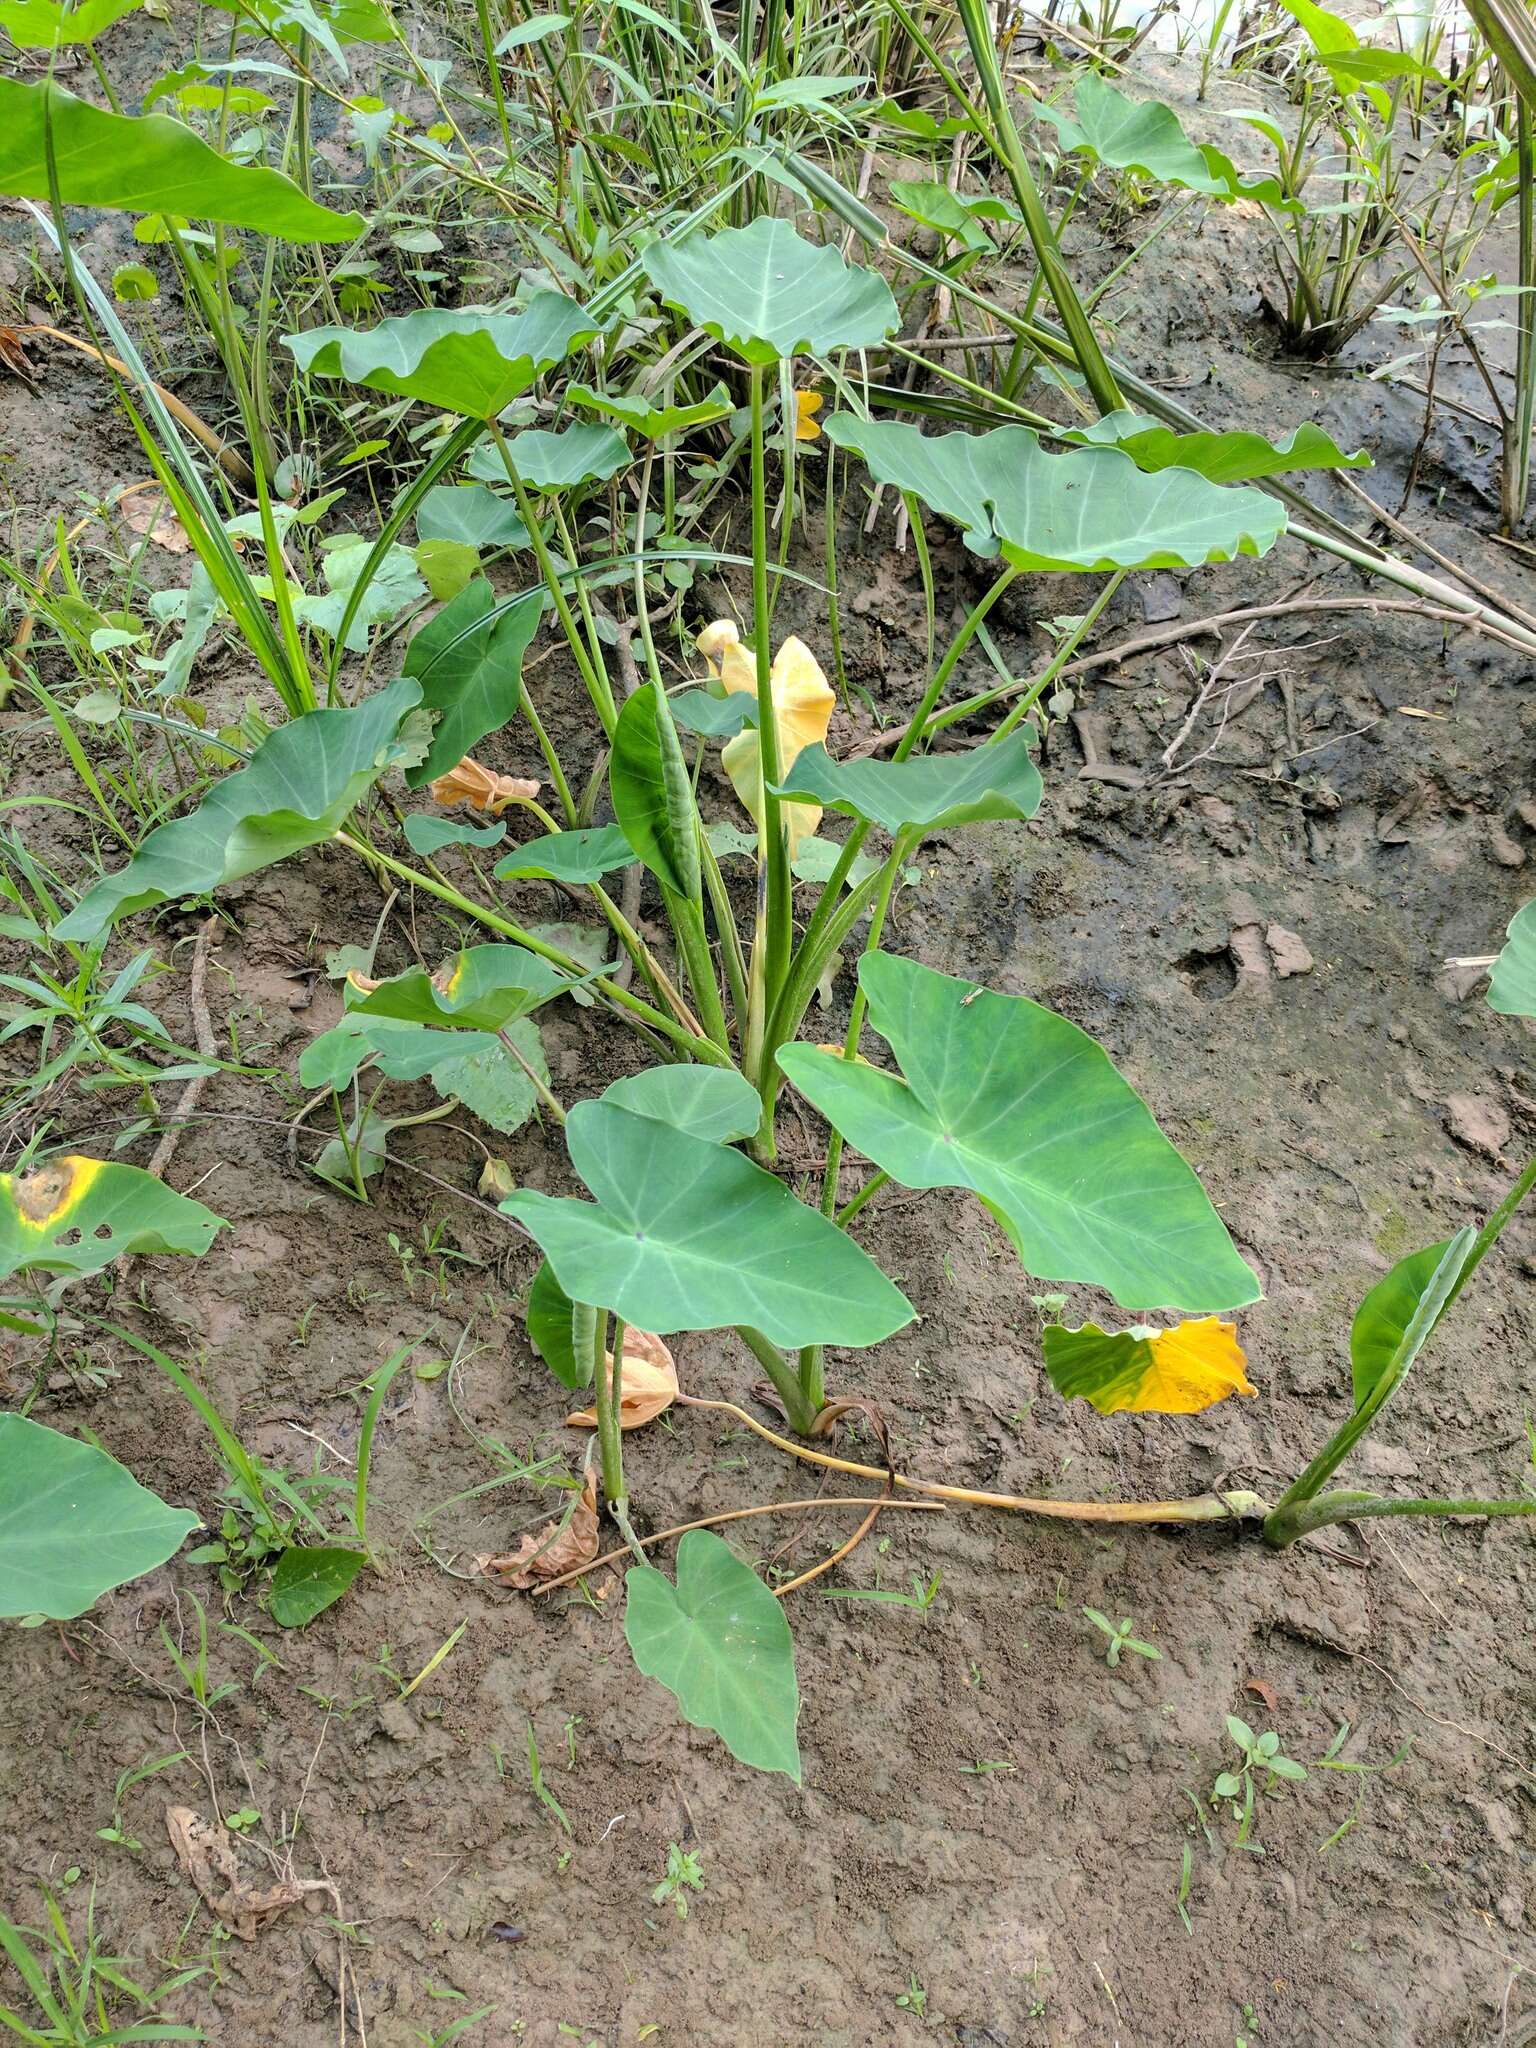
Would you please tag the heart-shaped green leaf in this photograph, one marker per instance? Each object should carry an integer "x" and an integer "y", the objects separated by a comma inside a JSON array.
[
  {"x": 715, "y": 718},
  {"x": 483, "y": 989},
  {"x": 301, "y": 783},
  {"x": 74, "y": 1523},
  {"x": 468, "y": 361},
  {"x": 584, "y": 854},
  {"x": 1020, "y": 1106},
  {"x": 1144, "y": 137},
  {"x": 148, "y": 164},
  {"x": 469, "y": 663},
  {"x": 426, "y": 833},
  {"x": 936, "y": 791},
  {"x": 715, "y": 1103},
  {"x": 653, "y": 421},
  {"x": 1512, "y": 986},
  {"x": 46, "y": 24},
  {"x": 555, "y": 462},
  {"x": 471, "y": 514},
  {"x": 1231, "y": 458},
  {"x": 307, "y": 1581},
  {"x": 1090, "y": 508},
  {"x": 686, "y": 1235},
  {"x": 767, "y": 293},
  {"x": 471, "y": 1067},
  {"x": 75, "y": 1215},
  {"x": 1395, "y": 1320},
  {"x": 719, "y": 1643}
]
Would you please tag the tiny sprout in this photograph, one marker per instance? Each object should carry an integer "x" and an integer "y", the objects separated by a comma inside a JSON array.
[
  {"x": 683, "y": 1875},
  {"x": 914, "y": 1999},
  {"x": 1120, "y": 1638}
]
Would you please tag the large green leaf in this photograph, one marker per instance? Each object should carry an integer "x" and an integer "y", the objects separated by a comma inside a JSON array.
[
  {"x": 1020, "y": 1106},
  {"x": 483, "y": 988},
  {"x": 549, "y": 1322},
  {"x": 719, "y": 1643},
  {"x": 1512, "y": 987},
  {"x": 1144, "y": 136},
  {"x": 469, "y": 361},
  {"x": 1091, "y": 508},
  {"x": 687, "y": 1235},
  {"x": 469, "y": 663},
  {"x": 936, "y": 791},
  {"x": 44, "y": 24},
  {"x": 427, "y": 833},
  {"x": 581, "y": 454},
  {"x": 148, "y": 164},
  {"x": 73, "y": 1523},
  {"x": 1231, "y": 458},
  {"x": 1394, "y": 1322},
  {"x": 767, "y": 293},
  {"x": 301, "y": 783},
  {"x": 75, "y": 1215},
  {"x": 708, "y": 1102},
  {"x": 584, "y": 854}
]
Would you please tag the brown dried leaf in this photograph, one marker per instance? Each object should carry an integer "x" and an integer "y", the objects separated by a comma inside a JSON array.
[
  {"x": 148, "y": 512},
  {"x": 207, "y": 1856},
  {"x": 14, "y": 358},
  {"x": 647, "y": 1386},
  {"x": 550, "y": 1550},
  {"x": 481, "y": 789},
  {"x": 1263, "y": 1690}
]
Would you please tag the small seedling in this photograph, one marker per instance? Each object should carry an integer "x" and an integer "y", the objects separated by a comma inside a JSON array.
[
  {"x": 1120, "y": 1638},
  {"x": 914, "y": 1999},
  {"x": 683, "y": 1876},
  {"x": 1263, "y": 1761}
]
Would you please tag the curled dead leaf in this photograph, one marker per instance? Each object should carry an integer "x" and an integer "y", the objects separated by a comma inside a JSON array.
[
  {"x": 147, "y": 511},
  {"x": 1263, "y": 1690},
  {"x": 647, "y": 1385},
  {"x": 481, "y": 789},
  {"x": 207, "y": 1856},
  {"x": 13, "y": 357},
  {"x": 551, "y": 1550}
]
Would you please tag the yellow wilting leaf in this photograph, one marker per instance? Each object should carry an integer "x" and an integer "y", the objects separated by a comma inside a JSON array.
[
  {"x": 807, "y": 405},
  {"x": 550, "y": 1551},
  {"x": 803, "y": 702},
  {"x": 480, "y": 788},
  {"x": 647, "y": 1384},
  {"x": 1147, "y": 1371}
]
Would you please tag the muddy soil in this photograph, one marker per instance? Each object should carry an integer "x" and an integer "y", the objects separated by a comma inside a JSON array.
[{"x": 1258, "y": 926}]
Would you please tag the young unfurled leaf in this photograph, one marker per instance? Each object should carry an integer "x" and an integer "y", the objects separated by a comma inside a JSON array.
[
  {"x": 719, "y": 1642},
  {"x": 1394, "y": 1322},
  {"x": 147, "y": 164},
  {"x": 767, "y": 293},
  {"x": 74, "y": 1215},
  {"x": 1145, "y": 1371},
  {"x": 1091, "y": 508},
  {"x": 301, "y": 784},
  {"x": 73, "y": 1522},
  {"x": 469, "y": 361},
  {"x": 647, "y": 1383},
  {"x": 1017, "y": 1104}
]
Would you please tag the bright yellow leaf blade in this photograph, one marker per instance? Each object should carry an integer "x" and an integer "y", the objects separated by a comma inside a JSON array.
[{"x": 1145, "y": 1371}]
